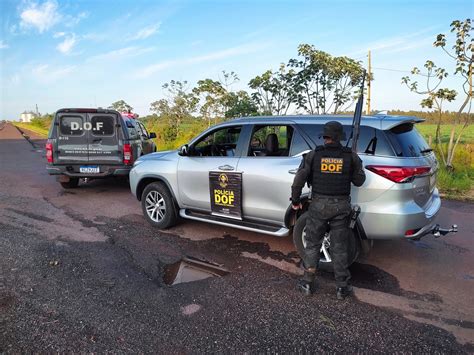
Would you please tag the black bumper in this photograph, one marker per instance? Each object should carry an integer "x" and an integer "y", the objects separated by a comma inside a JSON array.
[{"x": 73, "y": 171}]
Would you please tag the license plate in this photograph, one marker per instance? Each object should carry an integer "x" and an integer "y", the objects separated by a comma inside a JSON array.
[{"x": 89, "y": 169}]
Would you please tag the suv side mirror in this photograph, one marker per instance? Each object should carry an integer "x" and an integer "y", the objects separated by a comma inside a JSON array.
[
  {"x": 152, "y": 135},
  {"x": 184, "y": 150}
]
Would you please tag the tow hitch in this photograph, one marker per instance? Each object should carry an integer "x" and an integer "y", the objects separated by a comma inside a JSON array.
[{"x": 438, "y": 231}]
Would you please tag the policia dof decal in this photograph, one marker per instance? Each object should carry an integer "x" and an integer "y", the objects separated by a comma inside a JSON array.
[
  {"x": 226, "y": 194},
  {"x": 332, "y": 165}
]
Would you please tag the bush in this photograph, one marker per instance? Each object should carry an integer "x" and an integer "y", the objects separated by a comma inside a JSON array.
[{"x": 457, "y": 182}]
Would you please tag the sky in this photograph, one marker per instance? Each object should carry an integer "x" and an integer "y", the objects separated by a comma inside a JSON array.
[{"x": 90, "y": 53}]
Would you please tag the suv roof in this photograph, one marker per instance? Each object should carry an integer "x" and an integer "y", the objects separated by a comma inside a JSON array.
[{"x": 384, "y": 122}]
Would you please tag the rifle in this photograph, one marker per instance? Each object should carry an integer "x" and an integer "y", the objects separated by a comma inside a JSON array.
[{"x": 357, "y": 116}]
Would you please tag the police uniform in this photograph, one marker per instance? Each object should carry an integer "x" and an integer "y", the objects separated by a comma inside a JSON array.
[{"x": 330, "y": 169}]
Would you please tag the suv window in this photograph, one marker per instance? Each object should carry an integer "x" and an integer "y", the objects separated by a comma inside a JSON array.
[
  {"x": 407, "y": 141},
  {"x": 103, "y": 125},
  {"x": 221, "y": 142},
  {"x": 298, "y": 144},
  {"x": 281, "y": 135},
  {"x": 371, "y": 140},
  {"x": 71, "y": 125}
]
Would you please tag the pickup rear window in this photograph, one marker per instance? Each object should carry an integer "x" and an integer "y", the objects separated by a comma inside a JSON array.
[
  {"x": 103, "y": 125},
  {"x": 407, "y": 141},
  {"x": 71, "y": 125}
]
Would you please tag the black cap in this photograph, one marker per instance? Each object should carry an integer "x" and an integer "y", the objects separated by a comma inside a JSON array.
[{"x": 334, "y": 130}]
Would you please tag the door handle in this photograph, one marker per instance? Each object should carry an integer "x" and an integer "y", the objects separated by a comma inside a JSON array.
[
  {"x": 226, "y": 167},
  {"x": 293, "y": 171}
]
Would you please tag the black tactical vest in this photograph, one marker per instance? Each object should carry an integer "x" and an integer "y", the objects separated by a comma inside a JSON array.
[{"x": 332, "y": 171}]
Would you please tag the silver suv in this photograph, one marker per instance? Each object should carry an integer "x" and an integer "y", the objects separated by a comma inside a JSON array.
[{"x": 239, "y": 174}]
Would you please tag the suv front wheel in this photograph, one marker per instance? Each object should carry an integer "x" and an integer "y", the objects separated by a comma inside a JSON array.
[
  {"x": 325, "y": 261},
  {"x": 158, "y": 206}
]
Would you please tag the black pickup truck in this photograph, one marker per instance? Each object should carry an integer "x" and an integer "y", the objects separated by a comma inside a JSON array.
[{"x": 94, "y": 143}]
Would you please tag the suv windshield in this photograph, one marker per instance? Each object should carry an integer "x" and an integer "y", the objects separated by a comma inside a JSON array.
[{"x": 407, "y": 141}]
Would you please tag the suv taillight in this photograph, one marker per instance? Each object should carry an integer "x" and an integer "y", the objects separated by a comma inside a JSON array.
[
  {"x": 49, "y": 152},
  {"x": 399, "y": 173},
  {"x": 127, "y": 154}
]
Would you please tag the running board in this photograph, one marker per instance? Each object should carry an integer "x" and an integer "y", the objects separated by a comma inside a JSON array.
[{"x": 276, "y": 231}]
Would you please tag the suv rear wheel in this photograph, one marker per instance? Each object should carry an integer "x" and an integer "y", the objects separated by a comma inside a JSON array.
[
  {"x": 158, "y": 205},
  {"x": 325, "y": 261}
]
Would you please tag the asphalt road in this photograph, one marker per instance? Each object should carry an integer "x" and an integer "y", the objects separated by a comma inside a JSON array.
[{"x": 81, "y": 271}]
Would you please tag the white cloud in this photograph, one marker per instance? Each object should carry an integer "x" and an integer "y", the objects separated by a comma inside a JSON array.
[
  {"x": 71, "y": 21},
  {"x": 146, "y": 32},
  {"x": 47, "y": 74},
  {"x": 222, "y": 54},
  {"x": 399, "y": 43},
  {"x": 131, "y": 51},
  {"x": 59, "y": 34},
  {"x": 67, "y": 45},
  {"x": 3, "y": 45},
  {"x": 42, "y": 17}
]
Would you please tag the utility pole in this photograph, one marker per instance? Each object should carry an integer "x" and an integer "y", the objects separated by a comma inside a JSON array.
[{"x": 368, "y": 85}]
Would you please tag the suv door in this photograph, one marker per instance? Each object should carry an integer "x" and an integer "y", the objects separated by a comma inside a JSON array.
[
  {"x": 73, "y": 146},
  {"x": 104, "y": 136},
  {"x": 215, "y": 151},
  {"x": 268, "y": 172}
]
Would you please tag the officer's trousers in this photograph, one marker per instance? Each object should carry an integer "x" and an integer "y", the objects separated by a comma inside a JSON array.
[{"x": 333, "y": 213}]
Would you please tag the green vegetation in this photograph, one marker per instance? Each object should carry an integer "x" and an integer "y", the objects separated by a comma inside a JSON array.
[
  {"x": 39, "y": 125},
  {"x": 435, "y": 96},
  {"x": 459, "y": 183}
]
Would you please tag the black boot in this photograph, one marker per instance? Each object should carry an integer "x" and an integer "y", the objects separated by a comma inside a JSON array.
[
  {"x": 306, "y": 285},
  {"x": 343, "y": 292}
]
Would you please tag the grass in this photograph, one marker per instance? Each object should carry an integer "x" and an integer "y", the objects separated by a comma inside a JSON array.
[
  {"x": 28, "y": 126},
  {"x": 430, "y": 130}
]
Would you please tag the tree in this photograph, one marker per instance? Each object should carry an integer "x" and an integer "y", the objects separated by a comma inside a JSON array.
[
  {"x": 213, "y": 94},
  {"x": 324, "y": 83},
  {"x": 240, "y": 104},
  {"x": 217, "y": 99},
  {"x": 121, "y": 106},
  {"x": 463, "y": 56},
  {"x": 178, "y": 105},
  {"x": 274, "y": 91}
]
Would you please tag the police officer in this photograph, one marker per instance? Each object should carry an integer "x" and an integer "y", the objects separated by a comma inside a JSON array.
[{"x": 329, "y": 169}]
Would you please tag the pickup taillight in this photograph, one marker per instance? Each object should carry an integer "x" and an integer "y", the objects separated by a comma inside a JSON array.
[
  {"x": 399, "y": 174},
  {"x": 49, "y": 152},
  {"x": 127, "y": 154}
]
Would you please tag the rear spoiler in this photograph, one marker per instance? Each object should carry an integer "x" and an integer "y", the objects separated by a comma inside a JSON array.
[{"x": 388, "y": 122}]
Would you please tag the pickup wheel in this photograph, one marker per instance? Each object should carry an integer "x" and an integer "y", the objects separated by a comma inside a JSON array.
[
  {"x": 71, "y": 184},
  {"x": 325, "y": 261},
  {"x": 158, "y": 206}
]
